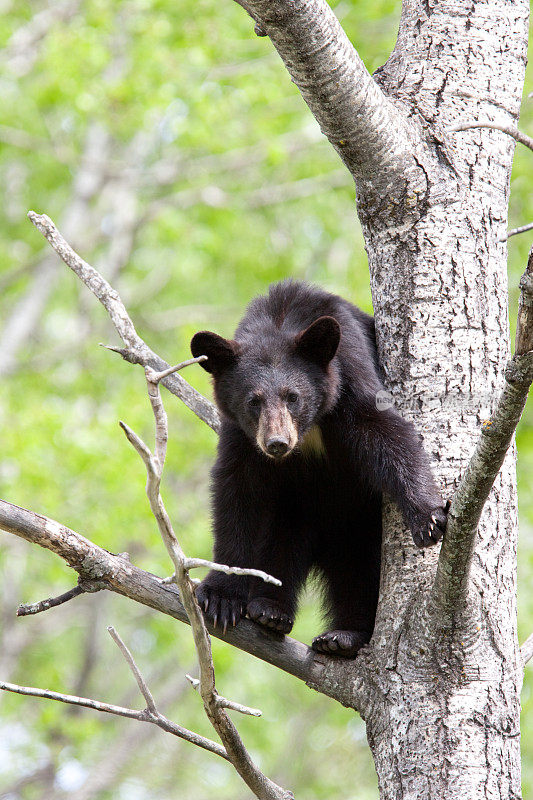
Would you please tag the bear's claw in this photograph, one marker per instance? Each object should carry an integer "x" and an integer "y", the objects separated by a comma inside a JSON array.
[
  {"x": 219, "y": 607},
  {"x": 428, "y": 529},
  {"x": 269, "y": 614},
  {"x": 341, "y": 643}
]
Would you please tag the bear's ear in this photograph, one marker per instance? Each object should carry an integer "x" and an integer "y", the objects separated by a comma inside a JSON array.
[
  {"x": 319, "y": 342},
  {"x": 221, "y": 353}
]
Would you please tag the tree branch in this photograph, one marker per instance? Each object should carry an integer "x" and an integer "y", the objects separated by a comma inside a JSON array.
[
  {"x": 453, "y": 569},
  {"x": 141, "y": 683},
  {"x": 214, "y": 705},
  {"x": 526, "y": 651},
  {"x": 516, "y": 231},
  {"x": 137, "y": 351},
  {"x": 25, "y": 610},
  {"x": 365, "y": 128},
  {"x": 121, "y": 576},
  {"x": 107, "y": 708},
  {"x": 194, "y": 563}
]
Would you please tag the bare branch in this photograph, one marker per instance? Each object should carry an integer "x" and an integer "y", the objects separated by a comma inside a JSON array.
[
  {"x": 516, "y": 231},
  {"x": 137, "y": 351},
  {"x": 153, "y": 466},
  {"x": 193, "y": 563},
  {"x": 121, "y": 576},
  {"x": 453, "y": 569},
  {"x": 214, "y": 704},
  {"x": 508, "y": 129},
  {"x": 156, "y": 377},
  {"x": 120, "y": 711},
  {"x": 223, "y": 702},
  {"x": 195, "y": 683},
  {"x": 526, "y": 651},
  {"x": 43, "y": 605},
  {"x": 141, "y": 683},
  {"x": 142, "y": 449},
  {"x": 366, "y": 129}
]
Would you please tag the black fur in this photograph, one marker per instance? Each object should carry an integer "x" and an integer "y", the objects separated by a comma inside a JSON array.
[{"x": 303, "y": 358}]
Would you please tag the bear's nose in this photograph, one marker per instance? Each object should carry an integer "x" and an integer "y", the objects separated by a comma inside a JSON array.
[{"x": 277, "y": 446}]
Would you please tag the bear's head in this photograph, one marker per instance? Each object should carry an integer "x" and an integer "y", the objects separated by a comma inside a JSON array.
[{"x": 275, "y": 385}]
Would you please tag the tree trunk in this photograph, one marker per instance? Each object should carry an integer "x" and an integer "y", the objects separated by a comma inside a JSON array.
[{"x": 444, "y": 717}]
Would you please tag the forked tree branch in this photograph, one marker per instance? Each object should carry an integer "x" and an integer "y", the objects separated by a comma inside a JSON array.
[
  {"x": 120, "y": 711},
  {"x": 137, "y": 351},
  {"x": 453, "y": 569},
  {"x": 365, "y": 128},
  {"x": 149, "y": 714},
  {"x": 118, "y": 574},
  {"x": 215, "y": 705}
]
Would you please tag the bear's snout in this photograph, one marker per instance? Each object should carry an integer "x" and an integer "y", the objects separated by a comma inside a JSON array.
[
  {"x": 277, "y": 446},
  {"x": 277, "y": 434}
]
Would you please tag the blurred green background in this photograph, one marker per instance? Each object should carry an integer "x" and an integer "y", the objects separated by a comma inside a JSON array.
[{"x": 166, "y": 141}]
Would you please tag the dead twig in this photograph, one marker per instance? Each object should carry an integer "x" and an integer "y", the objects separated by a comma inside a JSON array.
[
  {"x": 120, "y": 711},
  {"x": 214, "y": 704},
  {"x": 516, "y": 231},
  {"x": 141, "y": 683},
  {"x": 25, "y": 610}
]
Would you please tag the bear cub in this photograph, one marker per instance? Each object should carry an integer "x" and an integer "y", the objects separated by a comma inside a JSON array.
[{"x": 303, "y": 458}]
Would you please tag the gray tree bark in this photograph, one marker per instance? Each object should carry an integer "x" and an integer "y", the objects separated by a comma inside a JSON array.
[{"x": 445, "y": 718}]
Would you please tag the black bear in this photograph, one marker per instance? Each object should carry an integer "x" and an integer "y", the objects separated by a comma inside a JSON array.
[{"x": 303, "y": 458}]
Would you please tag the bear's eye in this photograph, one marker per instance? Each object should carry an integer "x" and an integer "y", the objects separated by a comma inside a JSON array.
[
  {"x": 254, "y": 401},
  {"x": 292, "y": 398}
]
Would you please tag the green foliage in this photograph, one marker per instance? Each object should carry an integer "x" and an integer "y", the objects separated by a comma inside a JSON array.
[{"x": 230, "y": 187}]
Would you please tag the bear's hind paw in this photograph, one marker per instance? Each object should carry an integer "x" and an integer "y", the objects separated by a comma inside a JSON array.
[
  {"x": 270, "y": 614},
  {"x": 340, "y": 643}
]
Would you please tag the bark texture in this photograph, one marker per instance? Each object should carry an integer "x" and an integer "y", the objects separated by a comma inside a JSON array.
[{"x": 444, "y": 720}]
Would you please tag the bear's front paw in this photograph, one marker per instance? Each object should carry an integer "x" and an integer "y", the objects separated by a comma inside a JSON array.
[
  {"x": 270, "y": 614},
  {"x": 340, "y": 643},
  {"x": 429, "y": 527},
  {"x": 220, "y": 607}
]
